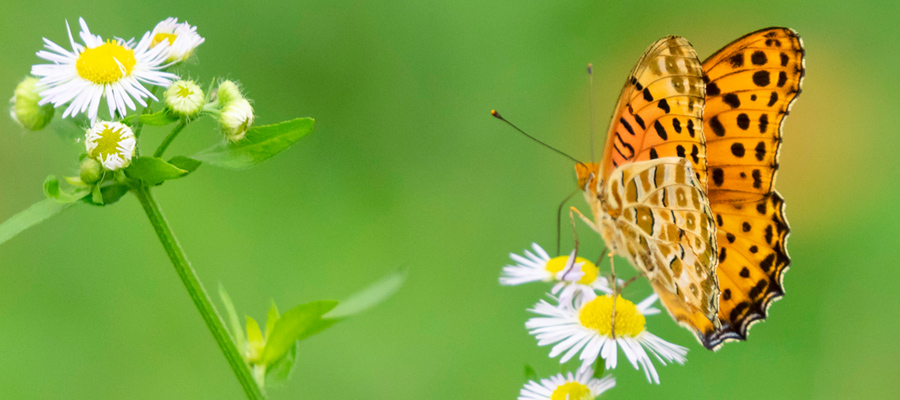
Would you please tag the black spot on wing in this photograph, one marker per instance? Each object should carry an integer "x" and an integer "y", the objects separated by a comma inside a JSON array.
[
  {"x": 732, "y": 100},
  {"x": 758, "y": 58},
  {"x": 663, "y": 105},
  {"x": 717, "y": 126},
  {"x": 743, "y": 121}
]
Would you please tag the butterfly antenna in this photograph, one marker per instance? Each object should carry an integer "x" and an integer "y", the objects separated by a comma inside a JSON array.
[
  {"x": 590, "y": 69},
  {"x": 497, "y": 115}
]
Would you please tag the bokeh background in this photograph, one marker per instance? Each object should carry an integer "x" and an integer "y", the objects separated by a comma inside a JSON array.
[{"x": 407, "y": 168}]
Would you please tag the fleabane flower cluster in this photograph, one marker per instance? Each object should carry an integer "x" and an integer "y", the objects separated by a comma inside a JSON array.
[
  {"x": 233, "y": 111},
  {"x": 586, "y": 318}
]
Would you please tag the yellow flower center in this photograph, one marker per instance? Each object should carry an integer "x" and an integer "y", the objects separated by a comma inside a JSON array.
[
  {"x": 108, "y": 142},
  {"x": 571, "y": 391},
  {"x": 590, "y": 270},
  {"x": 106, "y": 63},
  {"x": 597, "y": 314},
  {"x": 160, "y": 37},
  {"x": 184, "y": 91}
]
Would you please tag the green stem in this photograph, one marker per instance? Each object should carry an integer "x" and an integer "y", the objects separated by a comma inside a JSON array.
[
  {"x": 197, "y": 293},
  {"x": 168, "y": 140}
]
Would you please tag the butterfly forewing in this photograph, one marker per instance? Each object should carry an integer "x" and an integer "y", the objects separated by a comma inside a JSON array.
[
  {"x": 751, "y": 85},
  {"x": 660, "y": 109}
]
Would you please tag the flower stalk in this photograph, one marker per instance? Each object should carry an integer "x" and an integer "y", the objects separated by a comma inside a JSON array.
[{"x": 195, "y": 290}]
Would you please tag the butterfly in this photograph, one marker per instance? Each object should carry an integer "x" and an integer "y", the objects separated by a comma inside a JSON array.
[{"x": 684, "y": 190}]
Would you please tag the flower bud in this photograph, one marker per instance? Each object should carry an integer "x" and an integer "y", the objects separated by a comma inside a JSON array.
[
  {"x": 110, "y": 143},
  {"x": 235, "y": 118},
  {"x": 184, "y": 98},
  {"x": 228, "y": 92},
  {"x": 26, "y": 110},
  {"x": 91, "y": 171}
]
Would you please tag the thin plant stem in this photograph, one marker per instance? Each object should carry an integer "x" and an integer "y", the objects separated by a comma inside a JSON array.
[
  {"x": 168, "y": 140},
  {"x": 197, "y": 293}
]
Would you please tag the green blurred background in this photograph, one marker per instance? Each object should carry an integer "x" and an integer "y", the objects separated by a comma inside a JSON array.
[{"x": 407, "y": 168}]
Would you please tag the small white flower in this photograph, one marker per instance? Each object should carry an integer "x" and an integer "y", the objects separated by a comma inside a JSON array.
[
  {"x": 181, "y": 37},
  {"x": 185, "y": 98},
  {"x": 110, "y": 143},
  {"x": 579, "y": 386},
  {"x": 586, "y": 326},
  {"x": 572, "y": 275},
  {"x": 25, "y": 108},
  {"x": 115, "y": 70},
  {"x": 235, "y": 118}
]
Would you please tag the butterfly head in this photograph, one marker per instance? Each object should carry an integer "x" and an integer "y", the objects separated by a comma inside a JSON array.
[{"x": 588, "y": 175}]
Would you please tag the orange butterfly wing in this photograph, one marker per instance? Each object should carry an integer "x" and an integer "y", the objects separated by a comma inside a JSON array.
[
  {"x": 660, "y": 110},
  {"x": 650, "y": 212},
  {"x": 751, "y": 85}
]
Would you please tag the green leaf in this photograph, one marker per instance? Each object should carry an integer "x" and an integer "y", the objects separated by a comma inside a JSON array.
[
  {"x": 159, "y": 118},
  {"x": 271, "y": 319},
  {"x": 370, "y": 296},
  {"x": 31, "y": 216},
  {"x": 237, "y": 332},
  {"x": 254, "y": 337},
  {"x": 186, "y": 163},
  {"x": 531, "y": 374},
  {"x": 260, "y": 144},
  {"x": 110, "y": 194},
  {"x": 281, "y": 370},
  {"x": 291, "y": 326},
  {"x": 96, "y": 195},
  {"x": 54, "y": 192},
  {"x": 153, "y": 170}
]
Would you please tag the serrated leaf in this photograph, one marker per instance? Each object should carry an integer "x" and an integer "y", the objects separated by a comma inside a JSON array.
[
  {"x": 55, "y": 193},
  {"x": 281, "y": 370},
  {"x": 237, "y": 332},
  {"x": 370, "y": 296},
  {"x": 531, "y": 374},
  {"x": 159, "y": 118},
  {"x": 153, "y": 170},
  {"x": 186, "y": 163},
  {"x": 261, "y": 143},
  {"x": 271, "y": 319},
  {"x": 293, "y": 325},
  {"x": 29, "y": 217}
]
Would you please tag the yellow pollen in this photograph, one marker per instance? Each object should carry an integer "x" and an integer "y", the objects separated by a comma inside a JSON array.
[
  {"x": 99, "y": 64},
  {"x": 160, "y": 37},
  {"x": 597, "y": 313},
  {"x": 108, "y": 143},
  {"x": 571, "y": 391},
  {"x": 590, "y": 270}
]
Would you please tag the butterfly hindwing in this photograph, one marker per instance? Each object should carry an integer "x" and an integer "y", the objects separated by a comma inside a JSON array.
[
  {"x": 660, "y": 109},
  {"x": 665, "y": 228},
  {"x": 751, "y": 85}
]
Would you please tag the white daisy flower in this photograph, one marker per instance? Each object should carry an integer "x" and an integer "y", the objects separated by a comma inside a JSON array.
[
  {"x": 181, "y": 37},
  {"x": 579, "y": 386},
  {"x": 573, "y": 275},
  {"x": 110, "y": 143},
  {"x": 585, "y": 326},
  {"x": 115, "y": 70}
]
